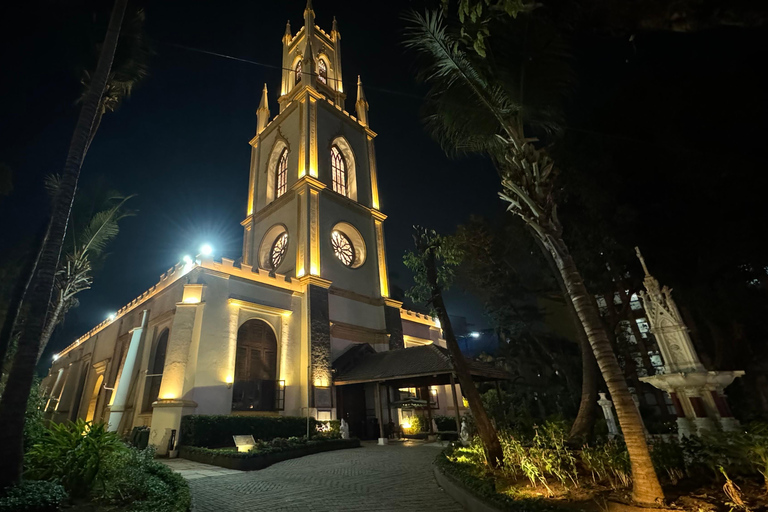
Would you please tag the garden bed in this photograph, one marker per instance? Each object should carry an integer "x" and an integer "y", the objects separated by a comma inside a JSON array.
[{"x": 254, "y": 460}]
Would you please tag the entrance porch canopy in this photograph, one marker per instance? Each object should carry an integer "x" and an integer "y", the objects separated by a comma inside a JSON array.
[{"x": 414, "y": 367}]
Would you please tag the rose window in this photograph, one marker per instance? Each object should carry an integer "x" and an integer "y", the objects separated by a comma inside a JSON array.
[
  {"x": 279, "y": 248},
  {"x": 342, "y": 248}
]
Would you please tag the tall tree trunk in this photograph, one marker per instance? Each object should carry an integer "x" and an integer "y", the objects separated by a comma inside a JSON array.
[
  {"x": 585, "y": 418},
  {"x": 14, "y": 400},
  {"x": 50, "y": 325},
  {"x": 645, "y": 486},
  {"x": 485, "y": 428}
]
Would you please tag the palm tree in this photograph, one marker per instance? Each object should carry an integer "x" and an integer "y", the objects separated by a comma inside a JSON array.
[
  {"x": 14, "y": 400},
  {"x": 85, "y": 248},
  {"x": 490, "y": 104},
  {"x": 129, "y": 67}
]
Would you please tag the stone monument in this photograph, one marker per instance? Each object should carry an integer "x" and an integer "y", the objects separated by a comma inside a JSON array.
[
  {"x": 696, "y": 393},
  {"x": 610, "y": 420},
  {"x": 344, "y": 429}
]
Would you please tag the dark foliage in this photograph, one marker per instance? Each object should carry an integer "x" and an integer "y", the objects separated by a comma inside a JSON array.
[
  {"x": 217, "y": 431},
  {"x": 33, "y": 496}
]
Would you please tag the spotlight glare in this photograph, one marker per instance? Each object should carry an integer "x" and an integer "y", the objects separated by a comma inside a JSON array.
[
  {"x": 112, "y": 316},
  {"x": 206, "y": 250},
  {"x": 475, "y": 334},
  {"x": 187, "y": 259}
]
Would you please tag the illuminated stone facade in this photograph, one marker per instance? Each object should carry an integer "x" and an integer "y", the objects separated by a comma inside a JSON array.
[{"x": 282, "y": 313}]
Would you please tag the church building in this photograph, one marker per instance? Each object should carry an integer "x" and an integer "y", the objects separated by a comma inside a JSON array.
[{"x": 301, "y": 323}]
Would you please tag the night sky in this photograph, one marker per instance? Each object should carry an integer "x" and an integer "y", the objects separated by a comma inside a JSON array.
[{"x": 181, "y": 141}]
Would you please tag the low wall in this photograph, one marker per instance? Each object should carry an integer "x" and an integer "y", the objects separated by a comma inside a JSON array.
[
  {"x": 462, "y": 495},
  {"x": 254, "y": 461}
]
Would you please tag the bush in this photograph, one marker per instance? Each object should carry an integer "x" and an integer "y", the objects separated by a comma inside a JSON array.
[
  {"x": 217, "y": 431},
  {"x": 34, "y": 421},
  {"x": 608, "y": 462},
  {"x": 73, "y": 454},
  {"x": 418, "y": 424},
  {"x": 330, "y": 429},
  {"x": 445, "y": 423},
  {"x": 133, "y": 476},
  {"x": 33, "y": 496}
]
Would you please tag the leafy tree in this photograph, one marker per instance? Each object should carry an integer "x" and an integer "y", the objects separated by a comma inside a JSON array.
[
  {"x": 88, "y": 236},
  {"x": 503, "y": 267},
  {"x": 14, "y": 400},
  {"x": 493, "y": 104},
  {"x": 433, "y": 265}
]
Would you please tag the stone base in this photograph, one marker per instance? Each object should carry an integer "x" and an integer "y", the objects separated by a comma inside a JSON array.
[{"x": 383, "y": 441}]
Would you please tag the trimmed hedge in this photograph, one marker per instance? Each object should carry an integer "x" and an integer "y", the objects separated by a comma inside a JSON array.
[
  {"x": 217, "y": 431},
  {"x": 446, "y": 423},
  {"x": 33, "y": 496},
  {"x": 249, "y": 461}
]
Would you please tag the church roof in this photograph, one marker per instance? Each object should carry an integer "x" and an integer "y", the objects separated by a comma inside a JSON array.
[{"x": 363, "y": 364}]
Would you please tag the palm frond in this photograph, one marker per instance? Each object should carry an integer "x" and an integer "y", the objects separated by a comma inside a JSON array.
[{"x": 101, "y": 229}]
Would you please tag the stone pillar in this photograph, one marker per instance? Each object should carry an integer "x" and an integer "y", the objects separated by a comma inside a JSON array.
[
  {"x": 320, "y": 348},
  {"x": 394, "y": 326},
  {"x": 176, "y": 387},
  {"x": 610, "y": 420},
  {"x": 122, "y": 387}
]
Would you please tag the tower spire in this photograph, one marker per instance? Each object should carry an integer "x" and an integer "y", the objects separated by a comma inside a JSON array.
[
  {"x": 288, "y": 35},
  {"x": 262, "y": 114},
  {"x": 361, "y": 105}
]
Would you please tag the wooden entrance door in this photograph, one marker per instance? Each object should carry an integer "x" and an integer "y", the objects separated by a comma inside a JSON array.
[{"x": 255, "y": 367}]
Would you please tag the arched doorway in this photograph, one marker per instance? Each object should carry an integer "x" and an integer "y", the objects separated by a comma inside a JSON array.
[
  {"x": 94, "y": 399},
  {"x": 154, "y": 374},
  {"x": 255, "y": 368}
]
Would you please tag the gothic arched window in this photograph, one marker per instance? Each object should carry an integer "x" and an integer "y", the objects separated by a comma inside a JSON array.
[
  {"x": 322, "y": 72},
  {"x": 298, "y": 72},
  {"x": 281, "y": 174},
  {"x": 339, "y": 171}
]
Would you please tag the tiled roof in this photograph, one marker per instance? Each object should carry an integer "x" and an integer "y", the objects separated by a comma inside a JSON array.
[{"x": 409, "y": 362}]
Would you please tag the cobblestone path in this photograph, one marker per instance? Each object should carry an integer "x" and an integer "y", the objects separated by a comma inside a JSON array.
[{"x": 372, "y": 478}]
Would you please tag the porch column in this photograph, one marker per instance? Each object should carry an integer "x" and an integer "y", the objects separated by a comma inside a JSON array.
[
  {"x": 456, "y": 404},
  {"x": 382, "y": 439},
  {"x": 122, "y": 386}
]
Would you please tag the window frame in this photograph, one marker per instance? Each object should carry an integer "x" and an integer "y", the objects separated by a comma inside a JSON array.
[
  {"x": 281, "y": 174},
  {"x": 339, "y": 171}
]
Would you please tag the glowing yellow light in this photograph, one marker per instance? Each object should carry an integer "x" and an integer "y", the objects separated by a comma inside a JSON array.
[
  {"x": 281, "y": 384},
  {"x": 230, "y": 379},
  {"x": 405, "y": 425},
  {"x": 191, "y": 300},
  {"x": 321, "y": 383},
  {"x": 168, "y": 396}
]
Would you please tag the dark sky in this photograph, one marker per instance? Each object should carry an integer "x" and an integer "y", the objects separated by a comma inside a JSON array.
[
  {"x": 682, "y": 115},
  {"x": 181, "y": 141}
]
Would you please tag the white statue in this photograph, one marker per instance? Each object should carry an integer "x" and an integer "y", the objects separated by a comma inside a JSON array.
[
  {"x": 610, "y": 420},
  {"x": 464, "y": 435},
  {"x": 344, "y": 429}
]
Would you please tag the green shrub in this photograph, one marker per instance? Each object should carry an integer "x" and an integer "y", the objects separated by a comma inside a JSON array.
[
  {"x": 418, "y": 424},
  {"x": 34, "y": 421},
  {"x": 608, "y": 462},
  {"x": 217, "y": 431},
  {"x": 33, "y": 496},
  {"x": 668, "y": 459},
  {"x": 445, "y": 423},
  {"x": 133, "y": 476},
  {"x": 73, "y": 454}
]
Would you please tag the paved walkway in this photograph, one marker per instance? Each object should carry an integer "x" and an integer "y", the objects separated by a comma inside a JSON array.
[
  {"x": 193, "y": 470},
  {"x": 372, "y": 478}
]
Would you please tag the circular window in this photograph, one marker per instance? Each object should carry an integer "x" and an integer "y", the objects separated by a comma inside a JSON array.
[
  {"x": 279, "y": 248},
  {"x": 273, "y": 248},
  {"x": 342, "y": 248},
  {"x": 348, "y": 245}
]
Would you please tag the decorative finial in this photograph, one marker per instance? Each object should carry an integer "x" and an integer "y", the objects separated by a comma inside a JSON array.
[
  {"x": 361, "y": 105},
  {"x": 642, "y": 261},
  {"x": 335, "y": 26},
  {"x": 288, "y": 28},
  {"x": 309, "y": 7}
]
